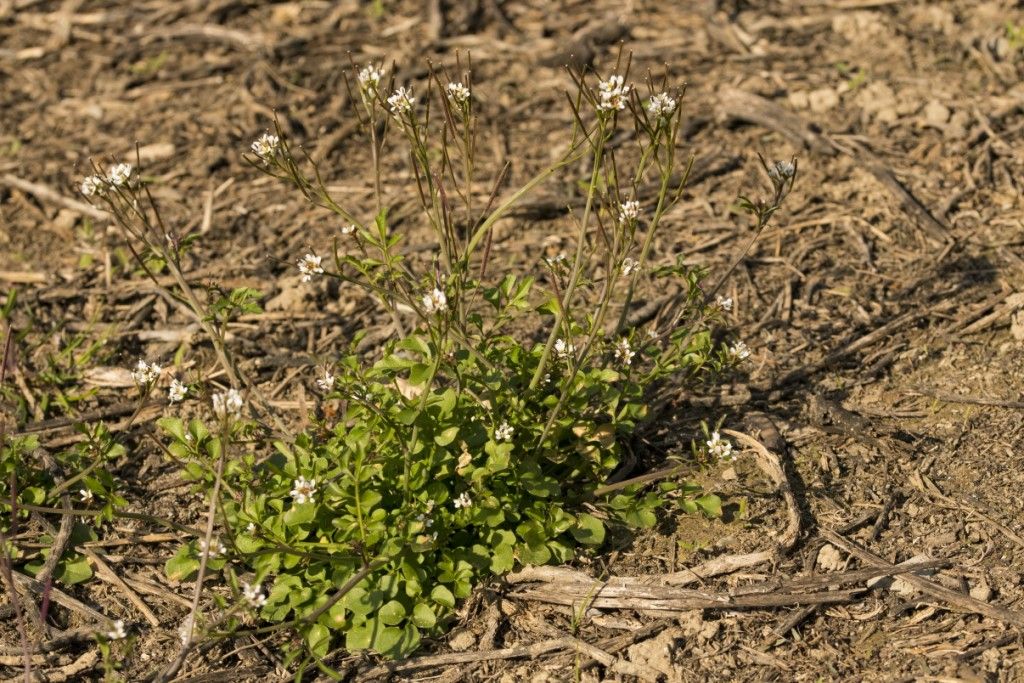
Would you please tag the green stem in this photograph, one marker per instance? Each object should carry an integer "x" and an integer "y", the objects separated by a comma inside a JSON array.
[{"x": 577, "y": 266}]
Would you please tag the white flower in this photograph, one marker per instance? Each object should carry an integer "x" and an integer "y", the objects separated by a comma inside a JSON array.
[
  {"x": 426, "y": 520},
  {"x": 725, "y": 303},
  {"x": 176, "y": 392},
  {"x": 266, "y": 145},
  {"x": 254, "y": 595},
  {"x": 463, "y": 501},
  {"x": 781, "y": 171},
  {"x": 93, "y": 185},
  {"x": 120, "y": 174},
  {"x": 719, "y": 447},
  {"x": 213, "y": 548},
  {"x": 739, "y": 351},
  {"x": 116, "y": 631},
  {"x": 559, "y": 261},
  {"x": 629, "y": 266},
  {"x": 623, "y": 353},
  {"x": 309, "y": 265},
  {"x": 303, "y": 490},
  {"x": 629, "y": 211},
  {"x": 348, "y": 229},
  {"x": 661, "y": 104},
  {"x": 326, "y": 383},
  {"x": 436, "y": 301},
  {"x": 85, "y": 495},
  {"x": 227, "y": 404},
  {"x": 564, "y": 349},
  {"x": 458, "y": 93},
  {"x": 504, "y": 432},
  {"x": 250, "y": 528},
  {"x": 613, "y": 94},
  {"x": 401, "y": 101},
  {"x": 369, "y": 78},
  {"x": 145, "y": 373}
]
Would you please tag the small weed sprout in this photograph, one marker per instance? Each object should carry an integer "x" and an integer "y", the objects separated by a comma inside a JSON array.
[{"x": 483, "y": 435}]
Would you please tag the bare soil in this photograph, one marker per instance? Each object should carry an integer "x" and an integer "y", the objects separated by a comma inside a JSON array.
[{"x": 881, "y": 306}]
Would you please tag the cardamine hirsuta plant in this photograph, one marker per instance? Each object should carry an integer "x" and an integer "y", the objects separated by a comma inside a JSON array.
[{"x": 485, "y": 433}]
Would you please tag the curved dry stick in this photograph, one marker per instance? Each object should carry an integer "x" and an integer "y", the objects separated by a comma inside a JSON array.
[{"x": 772, "y": 467}]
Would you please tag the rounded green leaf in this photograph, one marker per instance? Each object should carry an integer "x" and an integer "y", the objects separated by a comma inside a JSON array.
[
  {"x": 442, "y": 596},
  {"x": 391, "y": 613},
  {"x": 423, "y": 616}
]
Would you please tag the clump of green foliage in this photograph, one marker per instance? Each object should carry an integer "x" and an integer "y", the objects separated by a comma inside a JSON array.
[{"x": 483, "y": 435}]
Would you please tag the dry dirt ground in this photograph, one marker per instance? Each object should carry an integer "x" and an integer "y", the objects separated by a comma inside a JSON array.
[{"x": 881, "y": 306}]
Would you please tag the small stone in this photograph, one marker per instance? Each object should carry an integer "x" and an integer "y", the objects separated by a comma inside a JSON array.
[
  {"x": 830, "y": 559},
  {"x": 460, "y": 641},
  {"x": 982, "y": 592},
  {"x": 936, "y": 114},
  {"x": 729, "y": 474},
  {"x": 822, "y": 99},
  {"x": 798, "y": 100}
]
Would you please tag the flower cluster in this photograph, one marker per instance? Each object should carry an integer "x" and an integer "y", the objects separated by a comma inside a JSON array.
[
  {"x": 629, "y": 211},
  {"x": 254, "y": 595},
  {"x": 369, "y": 79},
  {"x": 719, "y": 447},
  {"x": 227, "y": 404},
  {"x": 326, "y": 383},
  {"x": 116, "y": 631},
  {"x": 266, "y": 145},
  {"x": 303, "y": 490},
  {"x": 435, "y": 301},
  {"x": 629, "y": 266},
  {"x": 739, "y": 351},
  {"x": 623, "y": 352},
  {"x": 213, "y": 548},
  {"x": 309, "y": 265},
  {"x": 614, "y": 94},
  {"x": 401, "y": 101},
  {"x": 662, "y": 105},
  {"x": 458, "y": 93},
  {"x": 725, "y": 303},
  {"x": 463, "y": 501},
  {"x": 146, "y": 373},
  {"x": 120, "y": 174},
  {"x": 504, "y": 432},
  {"x": 93, "y": 185},
  {"x": 176, "y": 392},
  {"x": 564, "y": 349}
]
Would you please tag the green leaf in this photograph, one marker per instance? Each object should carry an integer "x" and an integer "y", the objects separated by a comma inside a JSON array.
[
  {"x": 502, "y": 559},
  {"x": 172, "y": 426},
  {"x": 589, "y": 530},
  {"x": 182, "y": 566},
  {"x": 361, "y": 636},
  {"x": 442, "y": 596},
  {"x": 423, "y": 616},
  {"x": 447, "y": 436},
  {"x": 359, "y": 601},
  {"x": 302, "y": 513},
  {"x": 74, "y": 570},
  {"x": 318, "y": 639},
  {"x": 710, "y": 505},
  {"x": 391, "y": 613}
]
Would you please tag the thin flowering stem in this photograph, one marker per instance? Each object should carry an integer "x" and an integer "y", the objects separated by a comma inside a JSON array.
[
  {"x": 577, "y": 267},
  {"x": 176, "y": 664},
  {"x": 666, "y": 175}
]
